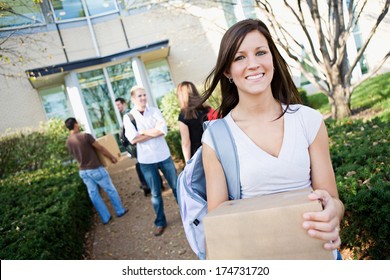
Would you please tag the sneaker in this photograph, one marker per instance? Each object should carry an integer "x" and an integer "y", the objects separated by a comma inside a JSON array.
[
  {"x": 126, "y": 210},
  {"x": 109, "y": 220},
  {"x": 159, "y": 231}
]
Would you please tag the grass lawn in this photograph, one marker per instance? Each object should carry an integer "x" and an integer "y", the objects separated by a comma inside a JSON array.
[{"x": 372, "y": 94}]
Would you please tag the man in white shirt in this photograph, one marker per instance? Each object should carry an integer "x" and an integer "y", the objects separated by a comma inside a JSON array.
[
  {"x": 123, "y": 109},
  {"x": 153, "y": 151}
]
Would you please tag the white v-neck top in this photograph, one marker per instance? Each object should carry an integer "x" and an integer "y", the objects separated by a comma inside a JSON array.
[{"x": 262, "y": 173}]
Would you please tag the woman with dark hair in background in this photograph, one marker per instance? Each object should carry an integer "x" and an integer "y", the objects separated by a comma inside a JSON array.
[{"x": 191, "y": 118}]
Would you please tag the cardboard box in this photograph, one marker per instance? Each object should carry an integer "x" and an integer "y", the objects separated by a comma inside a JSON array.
[
  {"x": 108, "y": 141},
  {"x": 265, "y": 227}
]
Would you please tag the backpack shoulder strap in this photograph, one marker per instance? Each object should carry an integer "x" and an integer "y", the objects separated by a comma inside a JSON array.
[
  {"x": 132, "y": 119},
  {"x": 226, "y": 151}
]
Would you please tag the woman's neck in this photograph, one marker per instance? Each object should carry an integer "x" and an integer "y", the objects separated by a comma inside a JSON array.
[{"x": 264, "y": 108}]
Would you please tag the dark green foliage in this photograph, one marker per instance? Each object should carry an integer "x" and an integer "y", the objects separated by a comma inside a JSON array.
[
  {"x": 303, "y": 94},
  {"x": 367, "y": 222},
  {"x": 45, "y": 208},
  {"x": 174, "y": 142},
  {"x": 26, "y": 151},
  {"x": 318, "y": 101},
  {"x": 359, "y": 152},
  {"x": 44, "y": 215},
  {"x": 170, "y": 109}
]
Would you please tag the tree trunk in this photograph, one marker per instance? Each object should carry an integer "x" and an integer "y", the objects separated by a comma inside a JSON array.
[{"x": 340, "y": 105}]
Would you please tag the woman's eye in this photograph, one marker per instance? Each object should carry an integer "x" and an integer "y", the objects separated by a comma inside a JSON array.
[
  {"x": 259, "y": 53},
  {"x": 239, "y": 58}
]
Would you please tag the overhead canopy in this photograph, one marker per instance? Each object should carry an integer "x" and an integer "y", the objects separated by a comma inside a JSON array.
[{"x": 149, "y": 52}]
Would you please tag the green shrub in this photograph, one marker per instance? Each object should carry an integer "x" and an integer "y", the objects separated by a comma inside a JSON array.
[
  {"x": 303, "y": 94},
  {"x": 170, "y": 109},
  {"x": 359, "y": 152},
  {"x": 27, "y": 150},
  {"x": 174, "y": 142},
  {"x": 44, "y": 215},
  {"x": 318, "y": 101},
  {"x": 45, "y": 209}
]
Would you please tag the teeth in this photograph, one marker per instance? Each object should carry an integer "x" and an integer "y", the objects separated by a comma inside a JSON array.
[{"x": 255, "y": 77}]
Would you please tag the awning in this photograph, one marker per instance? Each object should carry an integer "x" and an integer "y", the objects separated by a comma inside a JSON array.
[{"x": 146, "y": 53}]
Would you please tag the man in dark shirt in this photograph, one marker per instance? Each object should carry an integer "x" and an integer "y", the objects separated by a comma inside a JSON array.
[{"x": 83, "y": 147}]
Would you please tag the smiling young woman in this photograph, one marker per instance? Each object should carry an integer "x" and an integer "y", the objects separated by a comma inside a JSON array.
[{"x": 281, "y": 144}]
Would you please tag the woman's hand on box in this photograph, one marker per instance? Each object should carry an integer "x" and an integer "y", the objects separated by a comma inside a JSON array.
[{"x": 324, "y": 225}]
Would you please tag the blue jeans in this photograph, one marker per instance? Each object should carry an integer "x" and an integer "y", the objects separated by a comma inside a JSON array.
[
  {"x": 99, "y": 176},
  {"x": 339, "y": 256},
  {"x": 152, "y": 177}
]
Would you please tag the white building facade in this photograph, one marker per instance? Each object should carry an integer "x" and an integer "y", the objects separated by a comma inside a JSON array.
[{"x": 64, "y": 58}]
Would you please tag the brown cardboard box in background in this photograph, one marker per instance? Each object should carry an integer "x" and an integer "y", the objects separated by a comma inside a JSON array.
[
  {"x": 108, "y": 141},
  {"x": 265, "y": 227}
]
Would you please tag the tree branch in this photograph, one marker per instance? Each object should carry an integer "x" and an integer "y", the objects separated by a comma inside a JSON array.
[
  {"x": 317, "y": 23},
  {"x": 352, "y": 23},
  {"x": 365, "y": 44},
  {"x": 301, "y": 20},
  {"x": 373, "y": 72},
  {"x": 314, "y": 79}
]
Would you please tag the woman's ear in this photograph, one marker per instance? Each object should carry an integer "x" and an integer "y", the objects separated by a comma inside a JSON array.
[{"x": 227, "y": 75}]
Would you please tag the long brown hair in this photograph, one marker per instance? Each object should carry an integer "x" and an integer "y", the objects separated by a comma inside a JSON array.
[
  {"x": 189, "y": 100},
  {"x": 282, "y": 85}
]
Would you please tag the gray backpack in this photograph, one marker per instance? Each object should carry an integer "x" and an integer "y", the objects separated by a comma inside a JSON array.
[{"x": 191, "y": 184}]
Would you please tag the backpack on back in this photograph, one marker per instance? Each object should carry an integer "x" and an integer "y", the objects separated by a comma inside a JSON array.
[
  {"x": 191, "y": 184},
  {"x": 131, "y": 148}
]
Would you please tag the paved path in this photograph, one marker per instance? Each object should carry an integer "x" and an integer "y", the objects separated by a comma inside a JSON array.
[{"x": 131, "y": 236}]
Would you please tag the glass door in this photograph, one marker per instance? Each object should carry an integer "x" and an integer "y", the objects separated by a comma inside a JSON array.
[
  {"x": 55, "y": 102},
  {"x": 98, "y": 102},
  {"x": 160, "y": 79},
  {"x": 122, "y": 80}
]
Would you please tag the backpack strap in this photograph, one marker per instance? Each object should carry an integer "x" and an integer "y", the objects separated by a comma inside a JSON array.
[
  {"x": 132, "y": 119},
  {"x": 226, "y": 151}
]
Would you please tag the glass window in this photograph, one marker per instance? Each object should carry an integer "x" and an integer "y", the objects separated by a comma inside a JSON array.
[
  {"x": 55, "y": 102},
  {"x": 160, "y": 79},
  {"x": 19, "y": 13},
  {"x": 249, "y": 8},
  {"x": 122, "y": 79},
  {"x": 98, "y": 102},
  {"x": 96, "y": 7},
  {"x": 68, "y": 9},
  {"x": 73, "y": 9},
  {"x": 308, "y": 68},
  {"x": 358, "y": 41},
  {"x": 228, "y": 9},
  {"x": 363, "y": 64}
]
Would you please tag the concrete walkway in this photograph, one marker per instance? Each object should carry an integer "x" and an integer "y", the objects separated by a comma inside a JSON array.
[{"x": 131, "y": 236}]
